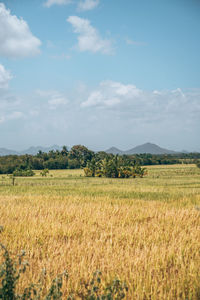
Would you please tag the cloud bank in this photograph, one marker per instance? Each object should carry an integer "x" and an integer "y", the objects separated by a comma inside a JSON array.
[
  {"x": 132, "y": 103},
  {"x": 16, "y": 39},
  {"x": 113, "y": 113},
  {"x": 111, "y": 93},
  {"x": 88, "y": 37}
]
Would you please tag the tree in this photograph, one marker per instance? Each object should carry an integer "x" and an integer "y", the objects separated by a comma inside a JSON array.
[
  {"x": 64, "y": 151},
  {"x": 113, "y": 167},
  {"x": 82, "y": 154},
  {"x": 92, "y": 167}
]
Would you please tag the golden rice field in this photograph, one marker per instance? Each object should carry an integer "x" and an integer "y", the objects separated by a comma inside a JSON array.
[{"x": 145, "y": 231}]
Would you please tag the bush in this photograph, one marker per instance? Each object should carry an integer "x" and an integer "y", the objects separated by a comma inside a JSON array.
[
  {"x": 125, "y": 172},
  {"x": 44, "y": 172},
  {"x": 23, "y": 173},
  {"x": 198, "y": 164},
  {"x": 94, "y": 289},
  {"x": 88, "y": 172}
]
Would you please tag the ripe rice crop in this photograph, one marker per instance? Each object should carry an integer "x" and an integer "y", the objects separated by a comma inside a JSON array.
[{"x": 144, "y": 231}]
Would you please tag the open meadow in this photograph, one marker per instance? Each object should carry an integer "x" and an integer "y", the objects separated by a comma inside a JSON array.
[{"x": 145, "y": 231}]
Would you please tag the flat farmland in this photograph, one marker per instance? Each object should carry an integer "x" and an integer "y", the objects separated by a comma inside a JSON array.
[{"x": 144, "y": 231}]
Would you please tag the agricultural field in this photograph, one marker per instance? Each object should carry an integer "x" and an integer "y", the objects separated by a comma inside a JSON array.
[{"x": 144, "y": 231}]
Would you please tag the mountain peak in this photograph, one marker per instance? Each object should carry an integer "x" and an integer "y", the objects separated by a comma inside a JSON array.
[
  {"x": 114, "y": 150},
  {"x": 144, "y": 148},
  {"x": 149, "y": 148}
]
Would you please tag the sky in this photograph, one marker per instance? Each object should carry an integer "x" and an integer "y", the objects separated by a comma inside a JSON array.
[{"x": 100, "y": 73}]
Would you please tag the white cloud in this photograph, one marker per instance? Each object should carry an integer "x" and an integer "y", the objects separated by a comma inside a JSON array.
[
  {"x": 124, "y": 110},
  {"x": 54, "y": 98},
  {"x": 113, "y": 113},
  {"x": 87, "y": 5},
  {"x": 111, "y": 93},
  {"x": 49, "y": 3},
  {"x": 4, "y": 77},
  {"x": 16, "y": 39},
  {"x": 88, "y": 37}
]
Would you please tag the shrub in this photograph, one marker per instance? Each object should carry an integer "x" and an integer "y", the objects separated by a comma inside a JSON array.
[
  {"x": 44, "y": 172},
  {"x": 198, "y": 164},
  {"x": 23, "y": 173},
  {"x": 88, "y": 172},
  {"x": 94, "y": 289}
]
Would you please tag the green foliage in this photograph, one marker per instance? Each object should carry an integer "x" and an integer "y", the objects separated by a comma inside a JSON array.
[
  {"x": 80, "y": 157},
  {"x": 55, "y": 291},
  {"x": 88, "y": 172},
  {"x": 10, "y": 272},
  {"x": 94, "y": 289},
  {"x": 81, "y": 154},
  {"x": 91, "y": 168},
  {"x": 198, "y": 163},
  {"x": 23, "y": 173},
  {"x": 44, "y": 172},
  {"x": 113, "y": 167}
]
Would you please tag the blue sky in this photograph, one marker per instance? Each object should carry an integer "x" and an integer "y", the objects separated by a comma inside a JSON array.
[{"x": 100, "y": 73}]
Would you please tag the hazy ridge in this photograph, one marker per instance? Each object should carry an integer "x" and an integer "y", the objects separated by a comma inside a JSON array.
[{"x": 145, "y": 148}]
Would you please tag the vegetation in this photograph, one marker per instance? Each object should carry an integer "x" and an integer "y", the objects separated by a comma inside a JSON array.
[
  {"x": 44, "y": 172},
  {"x": 113, "y": 167},
  {"x": 23, "y": 173},
  {"x": 93, "y": 290},
  {"x": 145, "y": 232},
  {"x": 81, "y": 157},
  {"x": 198, "y": 164}
]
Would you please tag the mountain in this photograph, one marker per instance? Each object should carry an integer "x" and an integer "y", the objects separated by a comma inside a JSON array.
[
  {"x": 145, "y": 148},
  {"x": 186, "y": 152},
  {"x": 4, "y": 151},
  {"x": 35, "y": 150},
  {"x": 149, "y": 148},
  {"x": 114, "y": 150},
  {"x": 30, "y": 151}
]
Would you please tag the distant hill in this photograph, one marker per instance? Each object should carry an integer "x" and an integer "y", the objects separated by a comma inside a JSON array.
[
  {"x": 114, "y": 151},
  {"x": 4, "y": 151},
  {"x": 30, "y": 151},
  {"x": 35, "y": 150},
  {"x": 149, "y": 148},
  {"x": 145, "y": 148}
]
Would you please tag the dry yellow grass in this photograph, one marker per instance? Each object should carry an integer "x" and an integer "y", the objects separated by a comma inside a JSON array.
[{"x": 145, "y": 231}]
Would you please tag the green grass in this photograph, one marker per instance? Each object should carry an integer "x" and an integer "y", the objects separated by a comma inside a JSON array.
[{"x": 171, "y": 184}]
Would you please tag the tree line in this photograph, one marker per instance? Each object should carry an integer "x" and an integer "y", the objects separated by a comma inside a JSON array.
[{"x": 95, "y": 164}]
